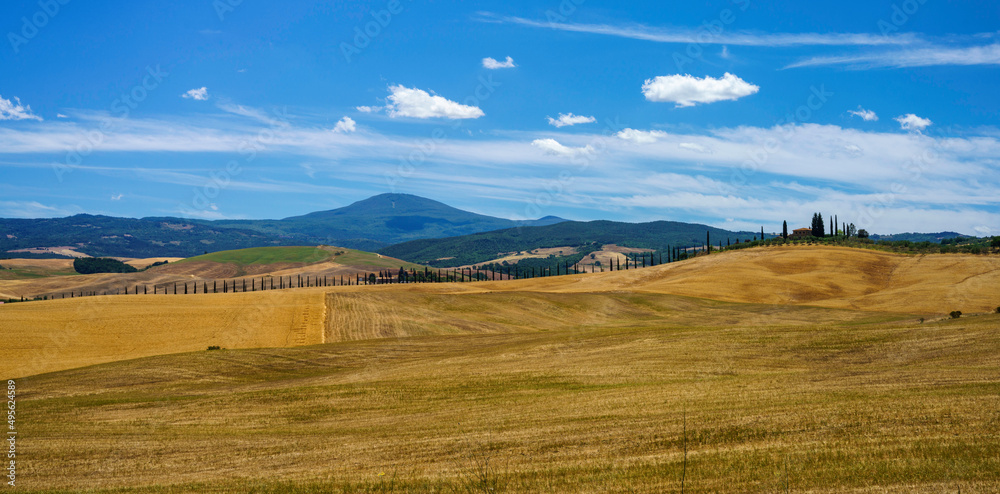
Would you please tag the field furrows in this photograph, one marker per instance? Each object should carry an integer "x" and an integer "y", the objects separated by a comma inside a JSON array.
[
  {"x": 308, "y": 323},
  {"x": 360, "y": 316}
]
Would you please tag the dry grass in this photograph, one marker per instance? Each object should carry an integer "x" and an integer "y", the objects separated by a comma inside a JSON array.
[
  {"x": 64, "y": 334},
  {"x": 841, "y": 277},
  {"x": 515, "y": 257},
  {"x": 563, "y": 384},
  {"x": 852, "y": 402}
]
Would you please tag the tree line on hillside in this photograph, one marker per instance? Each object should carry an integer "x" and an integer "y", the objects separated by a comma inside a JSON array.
[
  {"x": 582, "y": 236},
  {"x": 92, "y": 265}
]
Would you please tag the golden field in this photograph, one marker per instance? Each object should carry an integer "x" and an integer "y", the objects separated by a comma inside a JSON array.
[
  {"x": 63, "y": 334},
  {"x": 803, "y": 369}
]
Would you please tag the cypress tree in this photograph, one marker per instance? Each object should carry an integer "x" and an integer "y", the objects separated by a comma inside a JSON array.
[
  {"x": 708, "y": 241},
  {"x": 784, "y": 230}
]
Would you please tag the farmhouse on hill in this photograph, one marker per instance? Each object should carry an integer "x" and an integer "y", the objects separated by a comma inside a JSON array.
[{"x": 801, "y": 233}]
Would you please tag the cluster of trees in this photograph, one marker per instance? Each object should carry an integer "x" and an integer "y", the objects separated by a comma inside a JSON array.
[
  {"x": 91, "y": 265},
  {"x": 155, "y": 264},
  {"x": 837, "y": 229},
  {"x": 584, "y": 237}
]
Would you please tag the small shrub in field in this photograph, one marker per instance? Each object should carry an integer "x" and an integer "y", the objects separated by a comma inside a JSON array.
[
  {"x": 214, "y": 347},
  {"x": 921, "y": 320},
  {"x": 955, "y": 314},
  {"x": 998, "y": 310}
]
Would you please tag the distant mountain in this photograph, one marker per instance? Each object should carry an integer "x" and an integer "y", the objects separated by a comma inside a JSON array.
[
  {"x": 918, "y": 237},
  {"x": 369, "y": 224},
  {"x": 380, "y": 221},
  {"x": 483, "y": 247}
]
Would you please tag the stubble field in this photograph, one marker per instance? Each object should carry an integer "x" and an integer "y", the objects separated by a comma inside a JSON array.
[{"x": 587, "y": 383}]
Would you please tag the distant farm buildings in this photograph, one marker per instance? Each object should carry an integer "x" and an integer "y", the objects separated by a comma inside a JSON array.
[{"x": 801, "y": 233}]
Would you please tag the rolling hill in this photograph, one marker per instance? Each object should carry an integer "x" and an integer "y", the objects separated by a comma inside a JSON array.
[
  {"x": 367, "y": 225},
  {"x": 831, "y": 277},
  {"x": 816, "y": 375},
  {"x": 55, "y": 278}
]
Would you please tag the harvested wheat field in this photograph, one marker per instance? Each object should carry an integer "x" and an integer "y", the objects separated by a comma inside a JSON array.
[
  {"x": 63, "y": 334},
  {"x": 586, "y": 383},
  {"x": 761, "y": 397},
  {"x": 839, "y": 277}
]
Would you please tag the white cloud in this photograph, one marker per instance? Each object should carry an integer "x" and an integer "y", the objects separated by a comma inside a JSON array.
[
  {"x": 691, "y": 146},
  {"x": 117, "y": 197},
  {"x": 641, "y": 136},
  {"x": 686, "y": 90},
  {"x": 698, "y": 36},
  {"x": 417, "y": 103},
  {"x": 60, "y": 115},
  {"x": 368, "y": 109},
  {"x": 34, "y": 209},
  {"x": 552, "y": 146},
  {"x": 491, "y": 63},
  {"x": 200, "y": 94},
  {"x": 866, "y": 115},
  {"x": 569, "y": 119},
  {"x": 13, "y": 110},
  {"x": 346, "y": 125},
  {"x": 923, "y": 57},
  {"x": 912, "y": 122},
  {"x": 725, "y": 52}
]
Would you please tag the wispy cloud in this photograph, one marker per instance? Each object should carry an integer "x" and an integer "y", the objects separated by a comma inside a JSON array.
[
  {"x": 859, "y": 169},
  {"x": 14, "y": 110},
  {"x": 866, "y": 115},
  {"x": 567, "y": 119},
  {"x": 681, "y": 35},
  {"x": 34, "y": 209},
  {"x": 552, "y": 146},
  {"x": 691, "y": 146},
  {"x": 920, "y": 57},
  {"x": 641, "y": 136}
]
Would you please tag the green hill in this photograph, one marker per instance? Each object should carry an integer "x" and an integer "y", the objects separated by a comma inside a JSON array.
[
  {"x": 483, "y": 247},
  {"x": 264, "y": 255},
  {"x": 301, "y": 254}
]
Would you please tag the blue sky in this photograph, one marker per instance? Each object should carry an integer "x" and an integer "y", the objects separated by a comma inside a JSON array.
[{"x": 733, "y": 113}]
